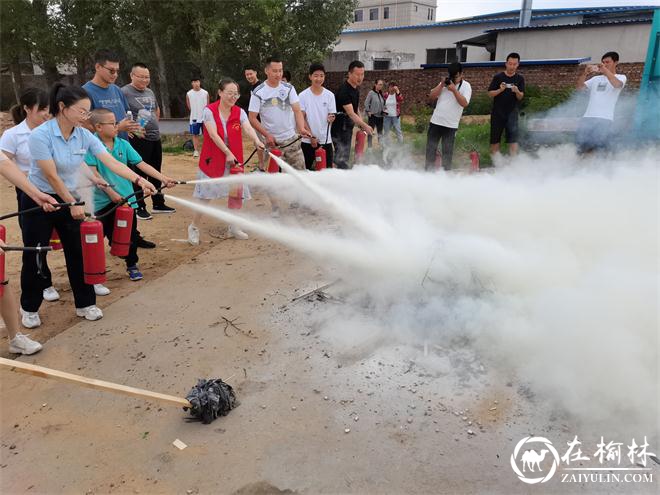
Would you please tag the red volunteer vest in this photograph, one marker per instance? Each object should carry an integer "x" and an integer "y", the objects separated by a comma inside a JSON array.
[{"x": 212, "y": 160}]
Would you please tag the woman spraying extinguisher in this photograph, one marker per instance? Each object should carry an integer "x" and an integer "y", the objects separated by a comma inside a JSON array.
[
  {"x": 58, "y": 149},
  {"x": 221, "y": 150}
]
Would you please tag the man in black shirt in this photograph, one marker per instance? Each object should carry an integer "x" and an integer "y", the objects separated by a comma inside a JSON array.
[
  {"x": 347, "y": 99},
  {"x": 246, "y": 88},
  {"x": 507, "y": 89}
]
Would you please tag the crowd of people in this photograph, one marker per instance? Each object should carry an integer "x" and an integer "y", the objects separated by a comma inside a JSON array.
[{"x": 111, "y": 136}]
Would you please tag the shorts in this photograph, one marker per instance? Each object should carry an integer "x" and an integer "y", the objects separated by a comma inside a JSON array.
[
  {"x": 593, "y": 134},
  {"x": 196, "y": 128},
  {"x": 498, "y": 124},
  {"x": 292, "y": 153}
]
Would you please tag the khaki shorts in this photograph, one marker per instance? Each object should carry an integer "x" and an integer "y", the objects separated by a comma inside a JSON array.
[{"x": 293, "y": 154}]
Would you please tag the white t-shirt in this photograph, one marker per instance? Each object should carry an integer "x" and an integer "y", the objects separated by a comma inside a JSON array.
[
  {"x": 390, "y": 105},
  {"x": 15, "y": 141},
  {"x": 447, "y": 111},
  {"x": 603, "y": 96},
  {"x": 198, "y": 101},
  {"x": 317, "y": 108},
  {"x": 207, "y": 116},
  {"x": 274, "y": 108}
]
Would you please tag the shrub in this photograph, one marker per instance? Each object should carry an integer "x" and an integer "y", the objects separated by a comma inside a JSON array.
[{"x": 422, "y": 115}]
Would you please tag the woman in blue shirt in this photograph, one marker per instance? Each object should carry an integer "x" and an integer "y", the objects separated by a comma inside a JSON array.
[{"x": 58, "y": 149}]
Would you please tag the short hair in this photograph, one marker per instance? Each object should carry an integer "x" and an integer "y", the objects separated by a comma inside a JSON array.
[
  {"x": 513, "y": 55},
  {"x": 250, "y": 67},
  {"x": 392, "y": 83},
  {"x": 140, "y": 65},
  {"x": 355, "y": 64},
  {"x": 455, "y": 68},
  {"x": 97, "y": 114},
  {"x": 314, "y": 67},
  {"x": 194, "y": 78},
  {"x": 273, "y": 59},
  {"x": 104, "y": 55},
  {"x": 226, "y": 81},
  {"x": 613, "y": 55}
]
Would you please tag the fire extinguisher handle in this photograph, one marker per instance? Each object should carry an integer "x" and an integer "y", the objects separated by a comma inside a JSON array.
[{"x": 37, "y": 208}]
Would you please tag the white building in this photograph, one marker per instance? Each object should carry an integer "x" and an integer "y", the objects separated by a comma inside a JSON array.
[
  {"x": 551, "y": 34},
  {"x": 376, "y": 14}
]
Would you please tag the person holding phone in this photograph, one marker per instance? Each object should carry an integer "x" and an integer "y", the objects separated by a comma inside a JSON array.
[{"x": 506, "y": 89}]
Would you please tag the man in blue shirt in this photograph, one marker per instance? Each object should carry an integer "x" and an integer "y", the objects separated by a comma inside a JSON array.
[{"x": 104, "y": 93}]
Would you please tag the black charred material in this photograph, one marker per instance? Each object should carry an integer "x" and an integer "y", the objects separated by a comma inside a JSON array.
[{"x": 210, "y": 399}]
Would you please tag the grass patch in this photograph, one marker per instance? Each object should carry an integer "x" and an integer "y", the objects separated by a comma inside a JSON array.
[{"x": 174, "y": 144}]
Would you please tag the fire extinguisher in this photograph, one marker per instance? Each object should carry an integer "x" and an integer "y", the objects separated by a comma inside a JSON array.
[
  {"x": 121, "y": 231},
  {"x": 474, "y": 157},
  {"x": 93, "y": 252},
  {"x": 320, "y": 158},
  {"x": 273, "y": 167},
  {"x": 3, "y": 238},
  {"x": 235, "y": 200},
  {"x": 360, "y": 140},
  {"x": 55, "y": 241}
]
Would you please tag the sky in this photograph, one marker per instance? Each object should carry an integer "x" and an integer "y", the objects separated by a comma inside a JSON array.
[{"x": 452, "y": 9}]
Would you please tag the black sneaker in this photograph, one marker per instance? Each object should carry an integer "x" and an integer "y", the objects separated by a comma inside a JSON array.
[
  {"x": 143, "y": 214},
  {"x": 145, "y": 244},
  {"x": 162, "y": 209}
]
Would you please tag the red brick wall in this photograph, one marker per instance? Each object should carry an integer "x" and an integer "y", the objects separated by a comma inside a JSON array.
[{"x": 416, "y": 83}]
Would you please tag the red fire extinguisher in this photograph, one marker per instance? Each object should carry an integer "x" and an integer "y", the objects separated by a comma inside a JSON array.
[
  {"x": 360, "y": 140},
  {"x": 273, "y": 167},
  {"x": 3, "y": 238},
  {"x": 235, "y": 201},
  {"x": 438, "y": 160},
  {"x": 474, "y": 157},
  {"x": 93, "y": 252},
  {"x": 121, "y": 231},
  {"x": 55, "y": 241},
  {"x": 320, "y": 158}
]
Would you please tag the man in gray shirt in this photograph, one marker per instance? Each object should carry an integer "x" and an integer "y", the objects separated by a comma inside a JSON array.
[{"x": 143, "y": 105}]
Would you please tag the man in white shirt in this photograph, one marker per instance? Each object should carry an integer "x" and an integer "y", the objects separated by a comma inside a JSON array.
[
  {"x": 594, "y": 130},
  {"x": 196, "y": 100},
  {"x": 318, "y": 106},
  {"x": 453, "y": 94},
  {"x": 274, "y": 101}
]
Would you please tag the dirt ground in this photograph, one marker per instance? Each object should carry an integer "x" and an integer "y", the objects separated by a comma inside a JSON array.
[{"x": 311, "y": 419}]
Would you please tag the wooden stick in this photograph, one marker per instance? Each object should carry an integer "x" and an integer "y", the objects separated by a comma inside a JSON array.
[{"x": 40, "y": 371}]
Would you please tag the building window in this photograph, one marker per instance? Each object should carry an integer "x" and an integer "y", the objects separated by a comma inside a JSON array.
[
  {"x": 373, "y": 14},
  {"x": 445, "y": 55},
  {"x": 386, "y": 12},
  {"x": 429, "y": 15},
  {"x": 382, "y": 64},
  {"x": 357, "y": 16},
  {"x": 415, "y": 8}
]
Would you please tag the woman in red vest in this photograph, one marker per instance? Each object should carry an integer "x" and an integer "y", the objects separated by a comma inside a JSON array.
[{"x": 222, "y": 147}]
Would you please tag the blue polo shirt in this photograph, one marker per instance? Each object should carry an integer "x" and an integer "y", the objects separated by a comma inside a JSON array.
[{"x": 47, "y": 143}]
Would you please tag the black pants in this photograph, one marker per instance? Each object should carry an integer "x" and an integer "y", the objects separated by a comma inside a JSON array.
[
  {"x": 109, "y": 225},
  {"x": 434, "y": 135},
  {"x": 37, "y": 228},
  {"x": 45, "y": 271},
  {"x": 376, "y": 123},
  {"x": 151, "y": 153},
  {"x": 341, "y": 139},
  {"x": 310, "y": 159}
]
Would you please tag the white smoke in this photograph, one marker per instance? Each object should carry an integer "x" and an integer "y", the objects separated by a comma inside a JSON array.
[{"x": 547, "y": 267}]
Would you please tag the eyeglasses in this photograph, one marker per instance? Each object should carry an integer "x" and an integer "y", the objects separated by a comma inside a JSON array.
[
  {"x": 82, "y": 113},
  {"x": 111, "y": 71},
  {"x": 141, "y": 77},
  {"x": 232, "y": 94},
  {"x": 115, "y": 124}
]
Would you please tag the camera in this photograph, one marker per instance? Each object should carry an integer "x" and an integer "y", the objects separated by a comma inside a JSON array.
[
  {"x": 509, "y": 86},
  {"x": 447, "y": 81}
]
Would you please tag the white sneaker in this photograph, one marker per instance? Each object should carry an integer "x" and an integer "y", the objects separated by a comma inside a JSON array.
[
  {"x": 193, "y": 235},
  {"x": 30, "y": 319},
  {"x": 237, "y": 233},
  {"x": 101, "y": 290},
  {"x": 196, "y": 154},
  {"x": 22, "y": 344},
  {"x": 50, "y": 294},
  {"x": 91, "y": 313}
]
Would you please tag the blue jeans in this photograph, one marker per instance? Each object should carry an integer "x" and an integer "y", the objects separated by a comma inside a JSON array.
[{"x": 388, "y": 124}]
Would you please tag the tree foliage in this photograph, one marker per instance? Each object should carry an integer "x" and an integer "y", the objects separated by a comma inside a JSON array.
[{"x": 178, "y": 38}]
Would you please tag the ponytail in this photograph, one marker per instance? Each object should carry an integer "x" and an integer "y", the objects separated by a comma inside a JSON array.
[
  {"x": 30, "y": 98},
  {"x": 69, "y": 95}
]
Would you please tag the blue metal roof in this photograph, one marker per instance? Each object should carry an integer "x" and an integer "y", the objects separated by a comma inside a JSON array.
[
  {"x": 511, "y": 16},
  {"x": 500, "y": 63},
  {"x": 579, "y": 25}
]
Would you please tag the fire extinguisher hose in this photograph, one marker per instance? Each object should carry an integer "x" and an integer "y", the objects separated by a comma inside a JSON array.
[{"x": 37, "y": 208}]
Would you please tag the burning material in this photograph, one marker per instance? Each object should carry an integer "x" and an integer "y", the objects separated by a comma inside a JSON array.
[{"x": 210, "y": 399}]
